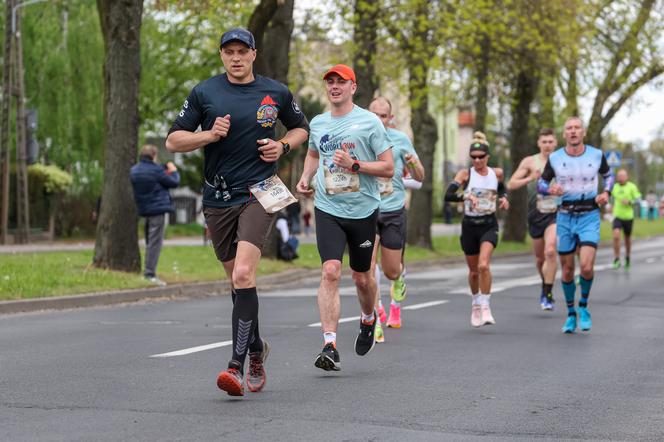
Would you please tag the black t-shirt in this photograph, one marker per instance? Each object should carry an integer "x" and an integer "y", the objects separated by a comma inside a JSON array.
[{"x": 253, "y": 108}]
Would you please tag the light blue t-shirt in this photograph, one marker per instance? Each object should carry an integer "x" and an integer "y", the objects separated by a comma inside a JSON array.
[
  {"x": 363, "y": 134},
  {"x": 401, "y": 146}
]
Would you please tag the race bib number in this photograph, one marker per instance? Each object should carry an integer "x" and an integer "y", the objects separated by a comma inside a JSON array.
[
  {"x": 272, "y": 194},
  {"x": 385, "y": 186},
  {"x": 340, "y": 180},
  {"x": 547, "y": 203},
  {"x": 485, "y": 201}
]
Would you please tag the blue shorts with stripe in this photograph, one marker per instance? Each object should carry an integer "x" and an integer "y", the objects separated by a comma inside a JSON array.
[{"x": 577, "y": 229}]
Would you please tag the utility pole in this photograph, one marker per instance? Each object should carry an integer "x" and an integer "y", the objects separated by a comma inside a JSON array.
[
  {"x": 5, "y": 156},
  {"x": 22, "y": 203}
]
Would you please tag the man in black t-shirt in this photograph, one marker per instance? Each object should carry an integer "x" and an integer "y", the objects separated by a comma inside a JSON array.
[{"x": 237, "y": 114}]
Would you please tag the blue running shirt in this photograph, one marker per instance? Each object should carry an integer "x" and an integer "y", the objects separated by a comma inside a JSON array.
[
  {"x": 576, "y": 174},
  {"x": 363, "y": 134},
  {"x": 401, "y": 146}
]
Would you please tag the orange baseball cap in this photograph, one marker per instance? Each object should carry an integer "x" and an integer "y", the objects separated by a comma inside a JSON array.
[{"x": 341, "y": 70}]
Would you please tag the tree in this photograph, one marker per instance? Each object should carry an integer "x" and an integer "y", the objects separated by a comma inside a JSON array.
[
  {"x": 116, "y": 246},
  {"x": 365, "y": 31}
]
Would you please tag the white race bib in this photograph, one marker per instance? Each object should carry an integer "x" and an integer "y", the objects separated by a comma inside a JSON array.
[
  {"x": 385, "y": 186},
  {"x": 272, "y": 194},
  {"x": 486, "y": 201},
  {"x": 547, "y": 203},
  {"x": 340, "y": 180}
]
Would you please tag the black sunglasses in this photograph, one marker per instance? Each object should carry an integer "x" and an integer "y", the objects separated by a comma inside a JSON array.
[{"x": 479, "y": 157}]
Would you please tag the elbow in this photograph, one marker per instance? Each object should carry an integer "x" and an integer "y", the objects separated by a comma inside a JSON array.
[
  {"x": 389, "y": 171},
  {"x": 169, "y": 145}
]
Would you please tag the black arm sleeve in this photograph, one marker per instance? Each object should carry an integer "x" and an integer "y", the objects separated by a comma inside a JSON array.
[
  {"x": 451, "y": 193},
  {"x": 501, "y": 190}
]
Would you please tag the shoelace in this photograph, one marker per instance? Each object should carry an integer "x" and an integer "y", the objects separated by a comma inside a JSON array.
[{"x": 255, "y": 365}]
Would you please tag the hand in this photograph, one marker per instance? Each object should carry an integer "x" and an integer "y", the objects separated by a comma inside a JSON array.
[
  {"x": 411, "y": 161},
  {"x": 602, "y": 198},
  {"x": 170, "y": 167},
  {"x": 626, "y": 201},
  {"x": 220, "y": 128},
  {"x": 556, "y": 189},
  {"x": 503, "y": 203},
  {"x": 270, "y": 150},
  {"x": 473, "y": 200},
  {"x": 535, "y": 175},
  {"x": 303, "y": 188},
  {"x": 342, "y": 158}
]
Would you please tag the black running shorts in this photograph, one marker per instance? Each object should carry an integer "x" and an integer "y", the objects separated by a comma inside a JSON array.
[
  {"x": 538, "y": 223},
  {"x": 624, "y": 224},
  {"x": 475, "y": 231},
  {"x": 333, "y": 233},
  {"x": 392, "y": 229}
]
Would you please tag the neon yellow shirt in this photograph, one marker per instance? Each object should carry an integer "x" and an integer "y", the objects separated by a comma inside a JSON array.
[{"x": 624, "y": 192}]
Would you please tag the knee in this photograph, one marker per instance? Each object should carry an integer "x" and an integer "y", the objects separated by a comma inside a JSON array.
[
  {"x": 550, "y": 254},
  {"x": 362, "y": 280},
  {"x": 392, "y": 273},
  {"x": 483, "y": 267},
  {"x": 243, "y": 276},
  {"x": 539, "y": 262},
  {"x": 332, "y": 271},
  {"x": 586, "y": 270},
  {"x": 473, "y": 274}
]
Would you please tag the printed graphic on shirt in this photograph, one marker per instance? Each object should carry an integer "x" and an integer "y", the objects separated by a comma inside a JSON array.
[{"x": 267, "y": 112}]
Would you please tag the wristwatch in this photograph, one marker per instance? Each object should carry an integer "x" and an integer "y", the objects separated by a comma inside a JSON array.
[
  {"x": 356, "y": 166},
  {"x": 286, "y": 146}
]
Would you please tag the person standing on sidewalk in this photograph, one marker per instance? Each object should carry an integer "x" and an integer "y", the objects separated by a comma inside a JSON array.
[
  {"x": 576, "y": 168},
  {"x": 237, "y": 112},
  {"x": 348, "y": 149},
  {"x": 541, "y": 214},
  {"x": 151, "y": 183},
  {"x": 391, "y": 227},
  {"x": 625, "y": 194},
  {"x": 482, "y": 188}
]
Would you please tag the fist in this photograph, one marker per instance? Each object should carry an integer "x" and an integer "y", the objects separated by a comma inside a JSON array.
[
  {"x": 303, "y": 188},
  {"x": 220, "y": 128}
]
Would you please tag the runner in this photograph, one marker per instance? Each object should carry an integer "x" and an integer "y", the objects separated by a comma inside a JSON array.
[
  {"x": 576, "y": 168},
  {"x": 392, "y": 219},
  {"x": 348, "y": 149},
  {"x": 482, "y": 186},
  {"x": 237, "y": 113},
  {"x": 541, "y": 214},
  {"x": 625, "y": 194}
]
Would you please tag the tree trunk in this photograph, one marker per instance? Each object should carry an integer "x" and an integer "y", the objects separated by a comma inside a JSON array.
[
  {"x": 364, "y": 33},
  {"x": 482, "y": 85},
  {"x": 425, "y": 137},
  {"x": 547, "y": 117},
  {"x": 258, "y": 25},
  {"x": 526, "y": 90},
  {"x": 116, "y": 246}
]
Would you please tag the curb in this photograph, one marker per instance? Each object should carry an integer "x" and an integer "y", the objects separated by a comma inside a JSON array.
[{"x": 176, "y": 291}]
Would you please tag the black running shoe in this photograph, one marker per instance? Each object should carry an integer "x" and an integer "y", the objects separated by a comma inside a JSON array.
[
  {"x": 366, "y": 340},
  {"x": 328, "y": 359}
]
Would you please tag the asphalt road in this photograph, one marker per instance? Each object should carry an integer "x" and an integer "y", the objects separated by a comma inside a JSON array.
[{"x": 110, "y": 374}]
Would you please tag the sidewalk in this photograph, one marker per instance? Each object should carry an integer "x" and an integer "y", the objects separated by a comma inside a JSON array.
[{"x": 64, "y": 246}]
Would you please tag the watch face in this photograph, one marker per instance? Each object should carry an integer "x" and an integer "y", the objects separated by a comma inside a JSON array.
[{"x": 355, "y": 167}]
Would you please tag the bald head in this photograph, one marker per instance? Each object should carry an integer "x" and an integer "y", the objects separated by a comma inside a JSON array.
[
  {"x": 622, "y": 176},
  {"x": 382, "y": 107}
]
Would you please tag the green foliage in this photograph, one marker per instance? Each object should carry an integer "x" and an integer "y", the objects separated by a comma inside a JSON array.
[{"x": 53, "y": 179}]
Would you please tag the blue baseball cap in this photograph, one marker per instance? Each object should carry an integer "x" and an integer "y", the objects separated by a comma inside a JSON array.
[{"x": 238, "y": 34}]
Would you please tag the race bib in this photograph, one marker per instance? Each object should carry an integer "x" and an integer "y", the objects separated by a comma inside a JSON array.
[
  {"x": 486, "y": 201},
  {"x": 547, "y": 203},
  {"x": 340, "y": 180},
  {"x": 272, "y": 194},
  {"x": 385, "y": 186}
]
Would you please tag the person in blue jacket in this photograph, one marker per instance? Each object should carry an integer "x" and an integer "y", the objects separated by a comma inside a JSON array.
[{"x": 151, "y": 182}]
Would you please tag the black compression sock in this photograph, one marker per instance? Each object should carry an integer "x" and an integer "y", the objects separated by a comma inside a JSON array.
[
  {"x": 245, "y": 315},
  {"x": 256, "y": 344}
]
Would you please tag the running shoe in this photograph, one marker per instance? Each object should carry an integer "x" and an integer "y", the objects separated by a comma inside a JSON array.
[
  {"x": 476, "y": 315},
  {"x": 328, "y": 359},
  {"x": 550, "y": 303},
  {"x": 585, "y": 321},
  {"x": 256, "y": 376},
  {"x": 543, "y": 301},
  {"x": 366, "y": 339},
  {"x": 380, "y": 336},
  {"x": 616, "y": 263},
  {"x": 231, "y": 380},
  {"x": 487, "y": 317},
  {"x": 570, "y": 324},
  {"x": 627, "y": 264},
  {"x": 381, "y": 314},
  {"x": 398, "y": 289},
  {"x": 395, "y": 317}
]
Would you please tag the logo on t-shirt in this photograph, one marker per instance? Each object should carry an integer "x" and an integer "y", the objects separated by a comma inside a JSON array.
[{"x": 267, "y": 112}]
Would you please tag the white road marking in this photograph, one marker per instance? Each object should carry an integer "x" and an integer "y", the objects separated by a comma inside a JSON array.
[
  {"x": 187, "y": 351},
  {"x": 342, "y": 320},
  {"x": 650, "y": 260},
  {"x": 425, "y": 305}
]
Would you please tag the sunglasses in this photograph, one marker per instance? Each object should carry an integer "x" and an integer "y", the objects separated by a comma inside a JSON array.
[{"x": 478, "y": 157}]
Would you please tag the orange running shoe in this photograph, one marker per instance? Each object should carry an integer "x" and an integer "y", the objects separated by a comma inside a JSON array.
[{"x": 230, "y": 380}]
